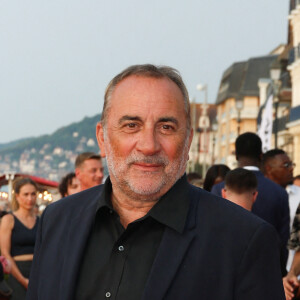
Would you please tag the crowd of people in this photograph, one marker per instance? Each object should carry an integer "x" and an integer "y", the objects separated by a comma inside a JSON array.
[
  {"x": 264, "y": 184},
  {"x": 88, "y": 172},
  {"x": 149, "y": 231},
  {"x": 19, "y": 227}
]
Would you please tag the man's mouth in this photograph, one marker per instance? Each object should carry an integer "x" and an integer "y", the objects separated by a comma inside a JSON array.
[{"x": 149, "y": 167}]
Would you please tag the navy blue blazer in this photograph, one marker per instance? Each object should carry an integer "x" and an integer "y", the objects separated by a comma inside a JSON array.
[
  {"x": 224, "y": 252},
  {"x": 272, "y": 205}
]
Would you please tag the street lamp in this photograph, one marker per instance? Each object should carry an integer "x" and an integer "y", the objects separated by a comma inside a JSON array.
[
  {"x": 9, "y": 176},
  {"x": 214, "y": 129},
  {"x": 276, "y": 84},
  {"x": 239, "y": 106},
  {"x": 203, "y": 87},
  {"x": 192, "y": 164}
]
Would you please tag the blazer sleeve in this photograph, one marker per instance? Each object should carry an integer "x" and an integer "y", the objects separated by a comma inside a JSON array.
[
  {"x": 32, "y": 292},
  {"x": 259, "y": 275}
]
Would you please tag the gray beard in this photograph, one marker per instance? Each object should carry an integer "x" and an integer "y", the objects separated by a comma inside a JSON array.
[{"x": 146, "y": 193}]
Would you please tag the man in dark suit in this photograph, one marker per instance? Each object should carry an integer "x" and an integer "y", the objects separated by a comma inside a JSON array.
[
  {"x": 278, "y": 167},
  {"x": 272, "y": 200},
  {"x": 240, "y": 187},
  {"x": 146, "y": 233}
]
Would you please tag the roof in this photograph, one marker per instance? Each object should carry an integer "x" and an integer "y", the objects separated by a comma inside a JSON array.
[
  {"x": 256, "y": 68},
  {"x": 39, "y": 180},
  {"x": 241, "y": 79},
  {"x": 293, "y": 4},
  {"x": 231, "y": 82}
]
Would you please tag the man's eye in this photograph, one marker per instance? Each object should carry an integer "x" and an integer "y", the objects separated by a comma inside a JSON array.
[
  {"x": 131, "y": 126},
  {"x": 167, "y": 127}
]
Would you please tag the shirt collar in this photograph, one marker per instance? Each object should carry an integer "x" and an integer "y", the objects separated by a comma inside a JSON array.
[
  {"x": 251, "y": 168},
  {"x": 292, "y": 189},
  {"x": 104, "y": 200},
  {"x": 171, "y": 210}
]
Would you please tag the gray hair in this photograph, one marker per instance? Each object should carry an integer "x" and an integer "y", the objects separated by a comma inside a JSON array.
[{"x": 147, "y": 70}]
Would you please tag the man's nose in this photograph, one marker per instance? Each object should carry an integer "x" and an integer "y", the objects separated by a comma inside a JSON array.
[
  {"x": 99, "y": 173},
  {"x": 148, "y": 142}
]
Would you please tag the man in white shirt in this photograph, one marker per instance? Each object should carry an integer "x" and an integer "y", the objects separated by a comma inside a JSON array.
[{"x": 279, "y": 168}]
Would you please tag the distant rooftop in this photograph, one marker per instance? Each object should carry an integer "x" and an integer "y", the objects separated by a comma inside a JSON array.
[
  {"x": 293, "y": 4},
  {"x": 241, "y": 78}
]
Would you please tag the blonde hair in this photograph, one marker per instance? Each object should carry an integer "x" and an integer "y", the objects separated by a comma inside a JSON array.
[{"x": 17, "y": 185}]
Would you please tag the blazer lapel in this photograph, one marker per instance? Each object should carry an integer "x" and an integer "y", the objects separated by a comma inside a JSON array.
[
  {"x": 79, "y": 229},
  {"x": 171, "y": 252}
]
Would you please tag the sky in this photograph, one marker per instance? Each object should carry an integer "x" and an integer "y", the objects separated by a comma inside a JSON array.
[{"x": 56, "y": 57}]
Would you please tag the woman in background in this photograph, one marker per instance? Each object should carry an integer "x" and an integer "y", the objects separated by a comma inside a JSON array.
[
  {"x": 18, "y": 234},
  {"x": 215, "y": 174}
]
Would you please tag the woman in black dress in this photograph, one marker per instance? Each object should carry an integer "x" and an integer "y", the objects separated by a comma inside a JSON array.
[{"x": 18, "y": 234}]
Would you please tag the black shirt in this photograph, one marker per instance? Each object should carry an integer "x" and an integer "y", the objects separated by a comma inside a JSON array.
[
  {"x": 23, "y": 238},
  {"x": 117, "y": 261}
]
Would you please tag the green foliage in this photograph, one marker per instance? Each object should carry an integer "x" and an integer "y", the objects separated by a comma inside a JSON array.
[{"x": 63, "y": 138}]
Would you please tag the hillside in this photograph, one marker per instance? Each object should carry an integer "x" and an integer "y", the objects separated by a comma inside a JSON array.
[
  {"x": 13, "y": 143},
  {"x": 50, "y": 156}
]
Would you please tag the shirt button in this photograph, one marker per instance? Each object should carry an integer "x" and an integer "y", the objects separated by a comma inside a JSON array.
[
  {"x": 108, "y": 295},
  {"x": 121, "y": 248}
]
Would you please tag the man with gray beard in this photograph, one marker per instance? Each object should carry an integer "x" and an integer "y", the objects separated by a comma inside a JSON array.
[{"x": 146, "y": 233}]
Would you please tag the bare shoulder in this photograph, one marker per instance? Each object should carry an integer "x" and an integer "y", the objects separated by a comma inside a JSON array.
[{"x": 7, "y": 221}]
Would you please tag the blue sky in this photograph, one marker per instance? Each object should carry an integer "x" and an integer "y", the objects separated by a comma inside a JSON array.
[{"x": 57, "y": 57}]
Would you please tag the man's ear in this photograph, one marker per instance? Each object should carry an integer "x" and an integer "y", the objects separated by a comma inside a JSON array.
[
  {"x": 224, "y": 193},
  {"x": 100, "y": 138},
  {"x": 266, "y": 169},
  {"x": 254, "y": 196},
  {"x": 191, "y": 137},
  {"x": 77, "y": 172}
]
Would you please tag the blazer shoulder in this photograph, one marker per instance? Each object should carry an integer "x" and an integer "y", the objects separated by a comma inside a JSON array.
[
  {"x": 217, "y": 210},
  {"x": 269, "y": 186},
  {"x": 76, "y": 202}
]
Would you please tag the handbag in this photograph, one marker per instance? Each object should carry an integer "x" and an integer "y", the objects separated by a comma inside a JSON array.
[{"x": 5, "y": 290}]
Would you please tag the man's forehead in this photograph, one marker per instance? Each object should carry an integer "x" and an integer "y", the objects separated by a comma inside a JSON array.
[
  {"x": 280, "y": 158},
  {"x": 92, "y": 161},
  {"x": 133, "y": 83},
  {"x": 283, "y": 157},
  {"x": 146, "y": 97}
]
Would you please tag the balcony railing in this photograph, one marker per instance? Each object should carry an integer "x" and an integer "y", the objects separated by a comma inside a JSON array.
[
  {"x": 293, "y": 4},
  {"x": 294, "y": 54}
]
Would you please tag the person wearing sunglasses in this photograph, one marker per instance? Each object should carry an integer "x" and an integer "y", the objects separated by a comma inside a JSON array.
[{"x": 278, "y": 167}]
